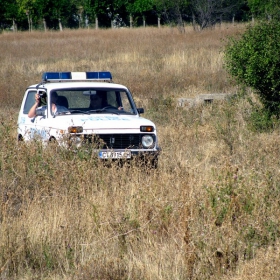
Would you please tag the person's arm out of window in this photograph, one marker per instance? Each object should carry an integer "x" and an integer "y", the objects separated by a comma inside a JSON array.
[{"x": 32, "y": 111}]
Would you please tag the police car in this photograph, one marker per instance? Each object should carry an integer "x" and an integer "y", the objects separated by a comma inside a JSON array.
[{"x": 77, "y": 109}]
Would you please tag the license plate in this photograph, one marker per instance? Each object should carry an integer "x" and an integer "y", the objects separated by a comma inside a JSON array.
[{"x": 114, "y": 154}]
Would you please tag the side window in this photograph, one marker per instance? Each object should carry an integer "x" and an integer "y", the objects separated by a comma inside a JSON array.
[
  {"x": 29, "y": 101},
  {"x": 125, "y": 102}
]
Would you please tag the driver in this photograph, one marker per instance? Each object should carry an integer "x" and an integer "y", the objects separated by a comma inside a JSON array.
[{"x": 96, "y": 101}]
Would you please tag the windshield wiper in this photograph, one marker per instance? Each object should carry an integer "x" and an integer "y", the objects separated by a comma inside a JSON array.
[
  {"x": 79, "y": 111},
  {"x": 104, "y": 110}
]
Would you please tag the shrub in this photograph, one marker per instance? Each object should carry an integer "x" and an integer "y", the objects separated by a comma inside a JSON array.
[
  {"x": 260, "y": 120},
  {"x": 253, "y": 60}
]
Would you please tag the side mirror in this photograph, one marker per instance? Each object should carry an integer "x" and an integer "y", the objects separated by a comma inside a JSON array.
[{"x": 140, "y": 110}]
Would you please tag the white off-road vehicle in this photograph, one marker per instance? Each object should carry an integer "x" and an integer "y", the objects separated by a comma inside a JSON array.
[{"x": 90, "y": 110}]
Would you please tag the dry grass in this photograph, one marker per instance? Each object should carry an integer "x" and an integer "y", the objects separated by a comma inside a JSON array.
[
  {"x": 151, "y": 62},
  {"x": 210, "y": 211}
]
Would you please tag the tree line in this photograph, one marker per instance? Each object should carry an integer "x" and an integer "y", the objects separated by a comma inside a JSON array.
[{"x": 56, "y": 15}]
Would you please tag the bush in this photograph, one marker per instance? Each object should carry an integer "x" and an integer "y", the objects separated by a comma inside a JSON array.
[
  {"x": 261, "y": 120},
  {"x": 254, "y": 60}
]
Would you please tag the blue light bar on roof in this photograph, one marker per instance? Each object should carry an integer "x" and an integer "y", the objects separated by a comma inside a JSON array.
[
  {"x": 56, "y": 76},
  {"x": 76, "y": 76},
  {"x": 99, "y": 75}
]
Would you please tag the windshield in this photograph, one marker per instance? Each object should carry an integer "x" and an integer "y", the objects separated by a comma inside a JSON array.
[{"x": 93, "y": 101}]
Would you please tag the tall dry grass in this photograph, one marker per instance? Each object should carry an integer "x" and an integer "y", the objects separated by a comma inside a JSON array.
[{"x": 211, "y": 209}]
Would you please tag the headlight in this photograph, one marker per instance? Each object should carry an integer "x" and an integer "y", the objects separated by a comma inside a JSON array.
[{"x": 147, "y": 141}]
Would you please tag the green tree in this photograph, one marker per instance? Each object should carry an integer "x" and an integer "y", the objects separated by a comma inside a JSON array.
[
  {"x": 141, "y": 7},
  {"x": 264, "y": 8},
  {"x": 116, "y": 11},
  {"x": 254, "y": 61},
  {"x": 208, "y": 12},
  {"x": 159, "y": 7},
  {"x": 9, "y": 13},
  {"x": 26, "y": 14},
  {"x": 61, "y": 13},
  {"x": 30, "y": 11},
  {"x": 96, "y": 9},
  {"x": 173, "y": 11},
  {"x": 131, "y": 9}
]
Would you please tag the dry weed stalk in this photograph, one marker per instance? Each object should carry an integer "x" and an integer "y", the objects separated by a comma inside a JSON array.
[{"x": 208, "y": 212}]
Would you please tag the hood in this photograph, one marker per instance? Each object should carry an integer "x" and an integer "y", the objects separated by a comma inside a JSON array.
[{"x": 100, "y": 122}]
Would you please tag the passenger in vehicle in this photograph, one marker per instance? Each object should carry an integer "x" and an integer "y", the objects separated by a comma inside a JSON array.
[
  {"x": 55, "y": 108},
  {"x": 62, "y": 101}
]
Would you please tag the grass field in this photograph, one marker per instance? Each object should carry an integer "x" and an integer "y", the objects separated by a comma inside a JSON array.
[{"x": 210, "y": 210}]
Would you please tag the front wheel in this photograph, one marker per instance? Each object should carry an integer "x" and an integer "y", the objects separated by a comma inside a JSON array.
[{"x": 149, "y": 161}]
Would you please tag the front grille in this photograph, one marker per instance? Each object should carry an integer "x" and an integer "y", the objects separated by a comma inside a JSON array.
[{"x": 115, "y": 141}]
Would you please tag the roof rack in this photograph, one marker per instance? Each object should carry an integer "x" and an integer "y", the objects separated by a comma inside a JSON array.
[{"x": 76, "y": 76}]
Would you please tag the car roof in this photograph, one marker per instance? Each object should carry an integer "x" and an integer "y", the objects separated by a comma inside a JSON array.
[{"x": 63, "y": 85}]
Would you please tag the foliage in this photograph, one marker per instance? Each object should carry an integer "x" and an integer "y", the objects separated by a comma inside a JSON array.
[
  {"x": 254, "y": 60},
  {"x": 264, "y": 8},
  {"x": 208, "y": 12},
  {"x": 260, "y": 120},
  {"x": 177, "y": 12},
  {"x": 29, "y": 14}
]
